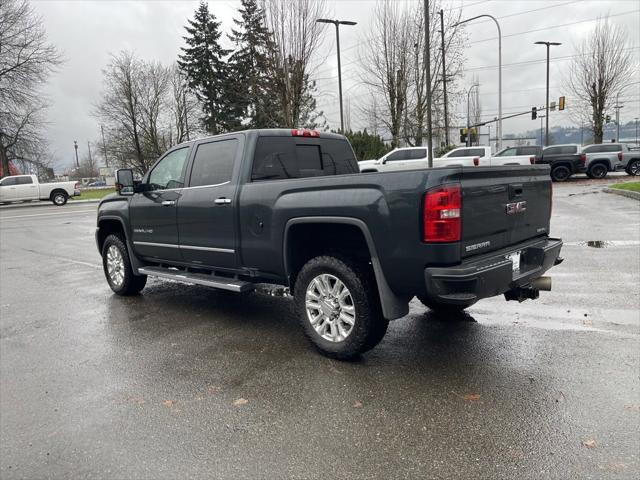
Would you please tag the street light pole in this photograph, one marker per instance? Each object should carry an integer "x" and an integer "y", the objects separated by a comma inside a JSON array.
[
  {"x": 499, "y": 71},
  {"x": 337, "y": 23},
  {"x": 75, "y": 145},
  {"x": 618, "y": 107},
  {"x": 548, "y": 44},
  {"x": 468, "y": 114}
]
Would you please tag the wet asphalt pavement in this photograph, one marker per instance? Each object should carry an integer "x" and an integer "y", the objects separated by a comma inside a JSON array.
[{"x": 187, "y": 382}]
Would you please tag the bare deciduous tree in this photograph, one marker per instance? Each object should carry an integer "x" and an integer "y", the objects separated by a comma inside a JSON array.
[
  {"x": 393, "y": 67},
  {"x": 602, "y": 69},
  {"x": 26, "y": 61},
  {"x": 295, "y": 38}
]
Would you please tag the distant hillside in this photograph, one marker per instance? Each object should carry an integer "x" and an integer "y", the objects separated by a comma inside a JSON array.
[{"x": 573, "y": 134}]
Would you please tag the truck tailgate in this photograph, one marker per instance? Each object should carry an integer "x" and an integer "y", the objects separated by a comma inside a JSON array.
[{"x": 502, "y": 206}]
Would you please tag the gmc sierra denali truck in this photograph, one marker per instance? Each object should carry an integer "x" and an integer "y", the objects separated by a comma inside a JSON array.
[{"x": 289, "y": 207}]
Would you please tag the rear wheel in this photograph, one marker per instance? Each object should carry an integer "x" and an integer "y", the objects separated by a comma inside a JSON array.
[
  {"x": 59, "y": 198},
  {"x": 338, "y": 307},
  {"x": 441, "y": 307},
  {"x": 560, "y": 173},
  {"x": 117, "y": 268},
  {"x": 598, "y": 170},
  {"x": 633, "y": 168}
]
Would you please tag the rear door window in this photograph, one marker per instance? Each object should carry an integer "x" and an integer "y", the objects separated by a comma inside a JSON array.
[
  {"x": 417, "y": 153},
  {"x": 463, "y": 152},
  {"x": 476, "y": 152},
  {"x": 277, "y": 158},
  {"x": 527, "y": 150},
  {"x": 213, "y": 163},
  {"x": 508, "y": 152},
  {"x": 25, "y": 180}
]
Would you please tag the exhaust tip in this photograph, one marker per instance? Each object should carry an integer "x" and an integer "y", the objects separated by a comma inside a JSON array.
[{"x": 542, "y": 283}]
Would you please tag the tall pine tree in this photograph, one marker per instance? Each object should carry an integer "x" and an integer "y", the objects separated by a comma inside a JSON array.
[
  {"x": 203, "y": 64},
  {"x": 254, "y": 94}
]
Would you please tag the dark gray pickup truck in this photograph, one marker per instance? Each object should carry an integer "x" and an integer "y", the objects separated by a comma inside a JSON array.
[{"x": 289, "y": 207}]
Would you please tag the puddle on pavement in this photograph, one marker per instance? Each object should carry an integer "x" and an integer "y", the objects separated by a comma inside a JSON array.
[{"x": 605, "y": 243}]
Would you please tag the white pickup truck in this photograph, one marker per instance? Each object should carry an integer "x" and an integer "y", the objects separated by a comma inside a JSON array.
[
  {"x": 20, "y": 188},
  {"x": 411, "y": 158}
]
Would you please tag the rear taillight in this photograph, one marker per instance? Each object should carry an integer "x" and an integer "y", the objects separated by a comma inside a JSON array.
[
  {"x": 77, "y": 186},
  {"x": 619, "y": 155},
  {"x": 303, "y": 132},
  {"x": 442, "y": 214},
  {"x": 532, "y": 160},
  {"x": 476, "y": 161},
  {"x": 583, "y": 158}
]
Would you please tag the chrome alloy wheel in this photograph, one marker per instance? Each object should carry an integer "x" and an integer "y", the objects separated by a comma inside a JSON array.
[
  {"x": 330, "y": 307},
  {"x": 115, "y": 266},
  {"x": 634, "y": 169}
]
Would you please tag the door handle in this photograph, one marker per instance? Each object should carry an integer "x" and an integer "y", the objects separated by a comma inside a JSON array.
[
  {"x": 168, "y": 203},
  {"x": 222, "y": 201}
]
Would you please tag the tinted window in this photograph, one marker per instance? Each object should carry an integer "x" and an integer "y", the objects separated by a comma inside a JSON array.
[
  {"x": 417, "y": 153},
  {"x": 528, "y": 150},
  {"x": 507, "y": 153},
  {"x": 603, "y": 148},
  {"x": 9, "y": 181},
  {"x": 463, "y": 152},
  {"x": 295, "y": 157},
  {"x": 561, "y": 150},
  {"x": 551, "y": 151},
  {"x": 213, "y": 163},
  {"x": 24, "y": 180},
  {"x": 476, "y": 152},
  {"x": 169, "y": 173},
  {"x": 398, "y": 155}
]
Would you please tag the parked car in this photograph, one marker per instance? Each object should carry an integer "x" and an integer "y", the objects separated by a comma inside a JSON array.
[
  {"x": 603, "y": 158},
  {"x": 563, "y": 160},
  {"x": 411, "y": 158},
  {"x": 289, "y": 207},
  {"x": 19, "y": 188},
  {"x": 99, "y": 183},
  {"x": 521, "y": 155}
]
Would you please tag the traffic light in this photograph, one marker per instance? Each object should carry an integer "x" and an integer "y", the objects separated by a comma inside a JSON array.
[
  {"x": 463, "y": 135},
  {"x": 607, "y": 119},
  {"x": 552, "y": 107},
  {"x": 561, "y": 103},
  {"x": 534, "y": 113}
]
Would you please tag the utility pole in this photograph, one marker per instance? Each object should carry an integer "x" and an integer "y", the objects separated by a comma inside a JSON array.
[
  {"x": 104, "y": 147},
  {"x": 427, "y": 43},
  {"x": 542, "y": 144},
  {"x": 618, "y": 107},
  {"x": 186, "y": 120},
  {"x": 636, "y": 119},
  {"x": 444, "y": 80},
  {"x": 337, "y": 23},
  {"x": 468, "y": 142},
  {"x": 89, "y": 148},
  {"x": 548, "y": 44},
  {"x": 75, "y": 145}
]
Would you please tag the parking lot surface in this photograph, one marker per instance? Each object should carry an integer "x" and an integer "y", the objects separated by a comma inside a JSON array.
[{"x": 187, "y": 382}]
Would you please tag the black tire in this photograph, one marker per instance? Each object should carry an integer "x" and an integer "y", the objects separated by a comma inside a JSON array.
[
  {"x": 597, "y": 170},
  {"x": 560, "y": 173},
  {"x": 131, "y": 284},
  {"x": 59, "y": 198},
  {"x": 633, "y": 168},
  {"x": 440, "y": 307},
  {"x": 369, "y": 326}
]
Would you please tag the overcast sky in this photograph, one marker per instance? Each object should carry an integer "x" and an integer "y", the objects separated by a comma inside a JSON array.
[{"x": 88, "y": 31}]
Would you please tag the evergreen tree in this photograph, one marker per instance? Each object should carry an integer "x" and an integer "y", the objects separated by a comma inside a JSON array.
[
  {"x": 254, "y": 94},
  {"x": 203, "y": 64},
  {"x": 367, "y": 146}
]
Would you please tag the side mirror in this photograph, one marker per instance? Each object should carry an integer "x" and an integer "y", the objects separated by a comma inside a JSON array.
[{"x": 124, "y": 181}]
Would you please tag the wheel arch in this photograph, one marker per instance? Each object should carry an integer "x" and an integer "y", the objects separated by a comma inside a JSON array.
[
  {"x": 393, "y": 306},
  {"x": 58, "y": 190},
  {"x": 109, "y": 225}
]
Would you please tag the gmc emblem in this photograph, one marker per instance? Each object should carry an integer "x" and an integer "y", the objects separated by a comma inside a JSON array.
[{"x": 516, "y": 207}]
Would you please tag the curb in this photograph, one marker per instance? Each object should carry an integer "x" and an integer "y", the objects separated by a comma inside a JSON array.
[
  {"x": 623, "y": 193},
  {"x": 45, "y": 203}
]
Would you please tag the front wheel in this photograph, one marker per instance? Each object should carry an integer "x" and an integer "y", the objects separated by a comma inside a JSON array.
[
  {"x": 599, "y": 170},
  {"x": 338, "y": 306},
  {"x": 560, "y": 173},
  {"x": 117, "y": 268},
  {"x": 633, "y": 168},
  {"x": 440, "y": 307},
  {"x": 59, "y": 198}
]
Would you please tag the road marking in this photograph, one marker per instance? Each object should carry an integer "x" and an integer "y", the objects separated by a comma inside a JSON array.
[{"x": 48, "y": 214}]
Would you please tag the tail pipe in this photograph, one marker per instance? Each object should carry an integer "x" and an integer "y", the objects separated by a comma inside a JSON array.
[{"x": 530, "y": 291}]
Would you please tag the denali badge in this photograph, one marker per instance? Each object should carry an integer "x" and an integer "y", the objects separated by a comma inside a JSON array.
[{"x": 516, "y": 207}]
